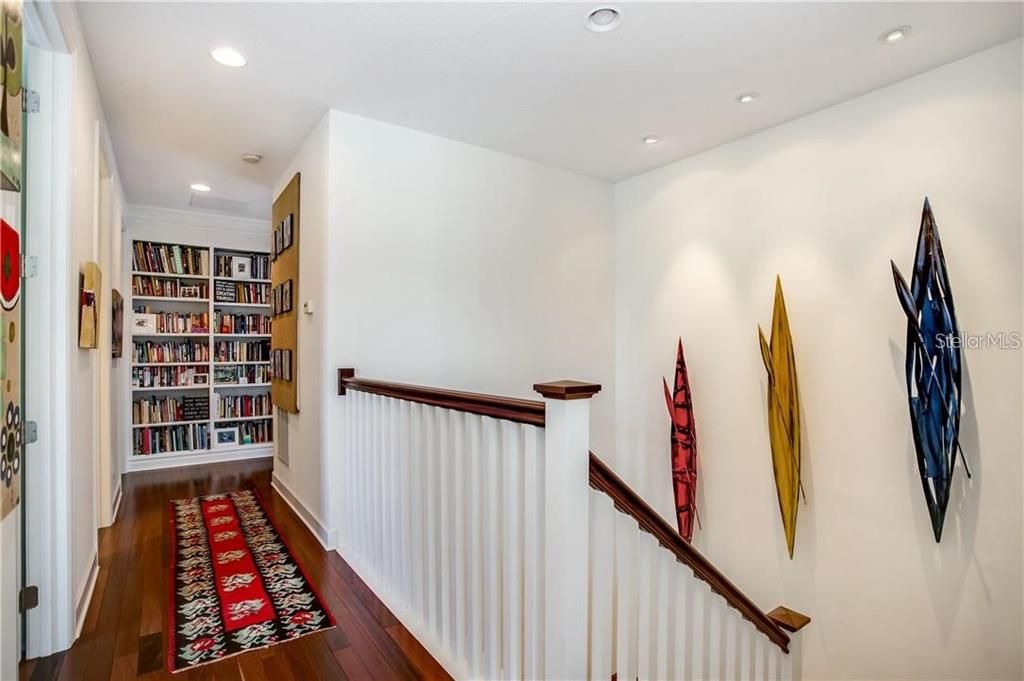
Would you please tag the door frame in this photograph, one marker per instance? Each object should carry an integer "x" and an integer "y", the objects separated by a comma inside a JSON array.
[{"x": 51, "y": 626}]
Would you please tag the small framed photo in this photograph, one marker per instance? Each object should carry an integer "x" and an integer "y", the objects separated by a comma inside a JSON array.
[
  {"x": 288, "y": 231},
  {"x": 225, "y": 437},
  {"x": 286, "y": 361},
  {"x": 188, "y": 292},
  {"x": 201, "y": 379},
  {"x": 240, "y": 267},
  {"x": 279, "y": 240},
  {"x": 286, "y": 296}
]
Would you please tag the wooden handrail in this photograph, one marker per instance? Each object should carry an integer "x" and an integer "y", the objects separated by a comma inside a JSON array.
[
  {"x": 602, "y": 478},
  {"x": 506, "y": 408}
]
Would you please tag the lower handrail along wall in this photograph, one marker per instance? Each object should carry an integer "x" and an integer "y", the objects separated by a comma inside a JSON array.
[{"x": 511, "y": 552}]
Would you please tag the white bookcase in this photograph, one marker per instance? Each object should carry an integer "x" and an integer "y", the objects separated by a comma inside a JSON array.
[{"x": 256, "y": 370}]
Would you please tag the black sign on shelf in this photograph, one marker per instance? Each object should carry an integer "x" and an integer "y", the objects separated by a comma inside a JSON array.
[{"x": 225, "y": 292}]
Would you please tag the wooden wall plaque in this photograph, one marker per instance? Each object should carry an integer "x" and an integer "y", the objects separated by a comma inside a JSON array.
[{"x": 284, "y": 267}]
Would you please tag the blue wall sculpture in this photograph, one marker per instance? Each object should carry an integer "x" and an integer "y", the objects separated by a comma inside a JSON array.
[{"x": 934, "y": 368}]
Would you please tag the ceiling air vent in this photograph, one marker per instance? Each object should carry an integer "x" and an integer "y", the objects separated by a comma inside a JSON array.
[{"x": 207, "y": 202}]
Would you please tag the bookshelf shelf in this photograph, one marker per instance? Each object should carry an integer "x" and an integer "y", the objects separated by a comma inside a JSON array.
[
  {"x": 242, "y": 418},
  {"x": 198, "y": 311},
  {"x": 171, "y": 299},
  {"x": 168, "y": 423},
  {"x": 168, "y": 275},
  {"x": 169, "y": 364},
  {"x": 231, "y": 364},
  {"x": 165, "y": 388},
  {"x": 157, "y": 334},
  {"x": 242, "y": 335},
  {"x": 239, "y": 280}
]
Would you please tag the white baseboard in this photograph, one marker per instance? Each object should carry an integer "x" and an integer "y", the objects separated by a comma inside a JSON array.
[
  {"x": 323, "y": 534},
  {"x": 116, "y": 506},
  {"x": 157, "y": 461},
  {"x": 82, "y": 604}
]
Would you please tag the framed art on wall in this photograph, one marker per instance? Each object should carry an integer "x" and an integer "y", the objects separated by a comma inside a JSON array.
[{"x": 117, "y": 324}]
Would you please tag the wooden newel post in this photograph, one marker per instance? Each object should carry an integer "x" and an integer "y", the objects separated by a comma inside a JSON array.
[{"x": 567, "y": 526}]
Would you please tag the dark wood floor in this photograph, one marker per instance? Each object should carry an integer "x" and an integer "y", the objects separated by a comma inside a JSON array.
[{"x": 125, "y": 628}]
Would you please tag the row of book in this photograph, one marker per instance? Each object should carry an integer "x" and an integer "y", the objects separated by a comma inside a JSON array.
[
  {"x": 255, "y": 432},
  {"x": 170, "y": 288},
  {"x": 156, "y": 410},
  {"x": 235, "y": 292},
  {"x": 148, "y": 256},
  {"x": 242, "y": 351},
  {"x": 150, "y": 321},
  {"x": 160, "y": 439},
  {"x": 241, "y": 406},
  {"x": 243, "y": 266},
  {"x": 167, "y": 377},
  {"x": 226, "y": 322},
  {"x": 241, "y": 375},
  {"x": 172, "y": 351}
]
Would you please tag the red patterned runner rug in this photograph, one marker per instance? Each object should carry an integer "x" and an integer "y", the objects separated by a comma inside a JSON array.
[{"x": 235, "y": 585}]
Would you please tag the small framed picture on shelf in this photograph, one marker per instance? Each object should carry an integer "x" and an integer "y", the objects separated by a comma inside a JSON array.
[
  {"x": 143, "y": 323},
  {"x": 188, "y": 292},
  {"x": 201, "y": 379},
  {"x": 240, "y": 267},
  {"x": 225, "y": 437}
]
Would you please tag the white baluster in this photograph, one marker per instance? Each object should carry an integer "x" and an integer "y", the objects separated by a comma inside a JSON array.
[
  {"x": 512, "y": 548},
  {"x": 602, "y": 588},
  {"x": 746, "y": 649},
  {"x": 716, "y": 637},
  {"x": 731, "y": 643},
  {"x": 646, "y": 584},
  {"x": 627, "y": 537},
  {"x": 664, "y": 599},
  {"x": 533, "y": 553},
  {"x": 760, "y": 654},
  {"x": 701, "y": 595},
  {"x": 492, "y": 549},
  {"x": 682, "y": 631},
  {"x": 444, "y": 533},
  {"x": 460, "y": 533},
  {"x": 477, "y": 464}
]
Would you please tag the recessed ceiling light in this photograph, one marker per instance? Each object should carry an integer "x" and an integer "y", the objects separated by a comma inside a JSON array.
[
  {"x": 252, "y": 158},
  {"x": 199, "y": 187},
  {"x": 747, "y": 97},
  {"x": 652, "y": 139},
  {"x": 603, "y": 19},
  {"x": 227, "y": 56},
  {"x": 894, "y": 35}
]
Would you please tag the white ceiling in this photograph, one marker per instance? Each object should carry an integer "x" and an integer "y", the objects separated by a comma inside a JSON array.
[{"x": 527, "y": 79}]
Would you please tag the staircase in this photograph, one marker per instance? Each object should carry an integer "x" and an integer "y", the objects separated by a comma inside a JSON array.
[{"x": 513, "y": 552}]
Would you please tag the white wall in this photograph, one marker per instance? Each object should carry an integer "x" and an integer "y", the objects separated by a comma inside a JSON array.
[
  {"x": 444, "y": 264},
  {"x": 303, "y": 478},
  {"x": 88, "y": 132},
  {"x": 826, "y": 201}
]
